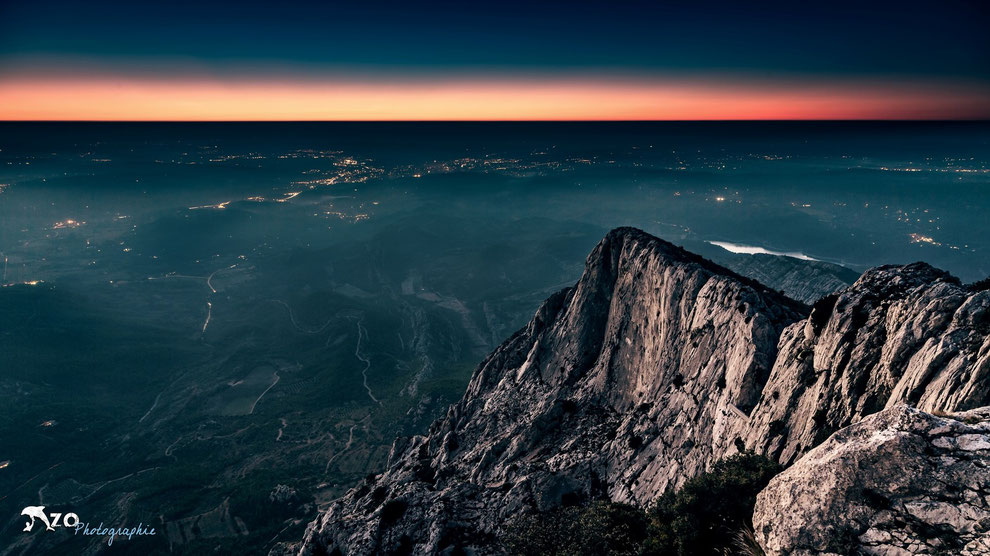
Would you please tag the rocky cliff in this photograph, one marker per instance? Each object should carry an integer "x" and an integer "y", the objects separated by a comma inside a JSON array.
[
  {"x": 655, "y": 364},
  {"x": 899, "y": 482},
  {"x": 901, "y": 334}
]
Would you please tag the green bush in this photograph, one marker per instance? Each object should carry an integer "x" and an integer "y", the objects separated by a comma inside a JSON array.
[
  {"x": 601, "y": 528},
  {"x": 710, "y": 515},
  {"x": 980, "y": 286},
  {"x": 705, "y": 516}
]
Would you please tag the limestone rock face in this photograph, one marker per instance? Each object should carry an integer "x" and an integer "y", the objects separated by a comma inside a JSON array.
[
  {"x": 653, "y": 366},
  {"x": 621, "y": 386},
  {"x": 901, "y": 334},
  {"x": 901, "y": 481}
]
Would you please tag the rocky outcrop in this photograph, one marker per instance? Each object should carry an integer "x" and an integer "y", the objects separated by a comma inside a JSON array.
[
  {"x": 901, "y": 481},
  {"x": 654, "y": 365},
  {"x": 901, "y": 334}
]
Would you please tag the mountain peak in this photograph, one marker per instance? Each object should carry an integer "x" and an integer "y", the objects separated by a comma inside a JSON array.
[
  {"x": 653, "y": 366},
  {"x": 895, "y": 280},
  {"x": 635, "y": 241}
]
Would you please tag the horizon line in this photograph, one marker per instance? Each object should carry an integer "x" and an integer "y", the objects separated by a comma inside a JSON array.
[
  {"x": 106, "y": 98},
  {"x": 521, "y": 120}
]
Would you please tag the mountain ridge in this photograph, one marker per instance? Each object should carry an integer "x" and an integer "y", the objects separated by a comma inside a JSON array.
[{"x": 654, "y": 365}]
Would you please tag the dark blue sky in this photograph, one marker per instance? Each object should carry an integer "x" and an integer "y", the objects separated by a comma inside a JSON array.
[{"x": 933, "y": 40}]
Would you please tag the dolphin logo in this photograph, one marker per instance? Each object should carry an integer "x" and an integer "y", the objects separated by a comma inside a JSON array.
[{"x": 36, "y": 512}]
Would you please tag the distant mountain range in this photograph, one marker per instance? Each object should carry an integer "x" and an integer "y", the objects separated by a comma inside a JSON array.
[{"x": 658, "y": 363}]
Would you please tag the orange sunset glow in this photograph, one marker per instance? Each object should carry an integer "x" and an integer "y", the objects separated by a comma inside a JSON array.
[{"x": 178, "y": 99}]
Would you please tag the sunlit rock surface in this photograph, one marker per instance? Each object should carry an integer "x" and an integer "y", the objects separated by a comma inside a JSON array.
[
  {"x": 901, "y": 334},
  {"x": 901, "y": 481}
]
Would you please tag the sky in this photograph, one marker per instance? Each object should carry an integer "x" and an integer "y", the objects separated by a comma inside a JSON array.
[{"x": 293, "y": 60}]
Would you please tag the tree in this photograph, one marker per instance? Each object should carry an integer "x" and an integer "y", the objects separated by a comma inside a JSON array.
[{"x": 705, "y": 516}]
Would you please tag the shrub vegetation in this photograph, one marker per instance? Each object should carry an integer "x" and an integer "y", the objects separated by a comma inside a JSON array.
[{"x": 710, "y": 515}]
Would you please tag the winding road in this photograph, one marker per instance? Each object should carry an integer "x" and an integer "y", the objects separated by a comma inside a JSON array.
[{"x": 367, "y": 362}]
